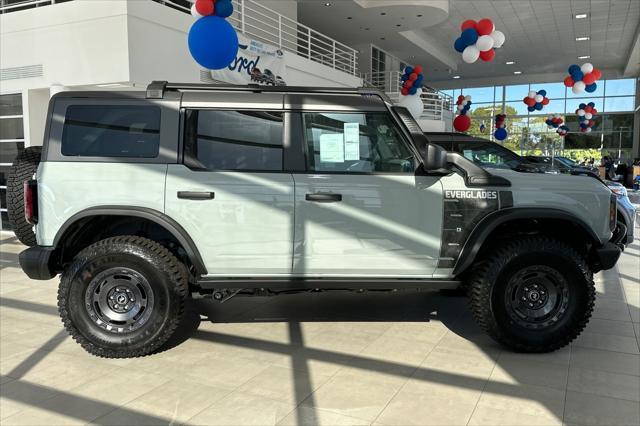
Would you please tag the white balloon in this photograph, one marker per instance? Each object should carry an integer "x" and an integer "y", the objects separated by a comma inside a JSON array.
[
  {"x": 588, "y": 129},
  {"x": 578, "y": 87},
  {"x": 485, "y": 43},
  {"x": 498, "y": 39},
  {"x": 588, "y": 116},
  {"x": 586, "y": 68},
  {"x": 413, "y": 104},
  {"x": 538, "y": 98},
  {"x": 581, "y": 112},
  {"x": 195, "y": 13},
  {"x": 532, "y": 94},
  {"x": 467, "y": 98},
  {"x": 470, "y": 54},
  {"x": 459, "y": 108}
]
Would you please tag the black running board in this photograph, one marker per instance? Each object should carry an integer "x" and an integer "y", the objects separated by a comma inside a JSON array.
[{"x": 327, "y": 283}]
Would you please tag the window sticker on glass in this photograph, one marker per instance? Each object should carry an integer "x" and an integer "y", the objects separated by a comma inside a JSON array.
[
  {"x": 351, "y": 141},
  {"x": 332, "y": 148}
]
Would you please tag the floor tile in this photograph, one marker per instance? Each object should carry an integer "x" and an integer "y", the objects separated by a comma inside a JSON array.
[
  {"x": 284, "y": 384},
  {"x": 487, "y": 416},
  {"x": 308, "y": 416},
  {"x": 524, "y": 371},
  {"x": 614, "y": 385},
  {"x": 608, "y": 342},
  {"x": 587, "y": 409},
  {"x": 427, "y": 409},
  {"x": 530, "y": 400},
  {"x": 614, "y": 362}
]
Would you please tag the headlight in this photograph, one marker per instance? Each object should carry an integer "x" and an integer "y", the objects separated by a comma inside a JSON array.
[{"x": 619, "y": 190}]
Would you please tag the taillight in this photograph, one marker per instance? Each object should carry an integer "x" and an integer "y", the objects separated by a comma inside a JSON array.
[{"x": 30, "y": 200}]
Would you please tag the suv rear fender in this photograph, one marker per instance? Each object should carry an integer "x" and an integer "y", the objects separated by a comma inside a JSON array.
[{"x": 76, "y": 225}]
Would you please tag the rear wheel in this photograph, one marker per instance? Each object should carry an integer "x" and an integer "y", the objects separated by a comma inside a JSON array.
[
  {"x": 123, "y": 297},
  {"x": 22, "y": 170},
  {"x": 533, "y": 295}
]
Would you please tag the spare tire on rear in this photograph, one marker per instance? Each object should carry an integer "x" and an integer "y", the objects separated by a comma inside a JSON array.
[{"x": 22, "y": 170}]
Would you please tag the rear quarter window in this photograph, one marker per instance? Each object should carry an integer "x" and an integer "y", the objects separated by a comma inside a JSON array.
[{"x": 111, "y": 131}]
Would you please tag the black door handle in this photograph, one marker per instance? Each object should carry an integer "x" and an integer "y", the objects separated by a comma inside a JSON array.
[
  {"x": 324, "y": 197},
  {"x": 196, "y": 195}
]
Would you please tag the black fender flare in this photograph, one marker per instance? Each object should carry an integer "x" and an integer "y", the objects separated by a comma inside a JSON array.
[
  {"x": 489, "y": 223},
  {"x": 146, "y": 213}
]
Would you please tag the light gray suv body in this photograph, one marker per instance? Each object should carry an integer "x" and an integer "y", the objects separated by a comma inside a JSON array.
[{"x": 142, "y": 199}]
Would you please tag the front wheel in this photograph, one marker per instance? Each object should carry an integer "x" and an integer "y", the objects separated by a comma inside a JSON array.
[
  {"x": 123, "y": 297},
  {"x": 533, "y": 295}
]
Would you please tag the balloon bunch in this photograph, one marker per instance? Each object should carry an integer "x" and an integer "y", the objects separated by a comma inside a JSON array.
[
  {"x": 478, "y": 40},
  {"x": 501, "y": 127},
  {"x": 582, "y": 78},
  {"x": 553, "y": 121},
  {"x": 213, "y": 42},
  {"x": 462, "y": 122},
  {"x": 535, "y": 101},
  {"x": 411, "y": 80},
  {"x": 586, "y": 113},
  {"x": 562, "y": 130}
]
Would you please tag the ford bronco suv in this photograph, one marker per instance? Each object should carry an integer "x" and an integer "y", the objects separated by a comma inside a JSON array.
[{"x": 141, "y": 200}]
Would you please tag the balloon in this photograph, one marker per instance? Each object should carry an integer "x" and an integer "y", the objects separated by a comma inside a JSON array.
[
  {"x": 592, "y": 104},
  {"x": 500, "y": 134},
  {"x": 597, "y": 73},
  {"x": 470, "y": 54},
  {"x": 586, "y": 68},
  {"x": 568, "y": 81},
  {"x": 469, "y": 36},
  {"x": 578, "y": 87},
  {"x": 531, "y": 109},
  {"x": 408, "y": 84},
  {"x": 532, "y": 93},
  {"x": 460, "y": 98},
  {"x": 194, "y": 12},
  {"x": 591, "y": 88},
  {"x": 204, "y": 7},
  {"x": 413, "y": 76},
  {"x": 580, "y": 112},
  {"x": 223, "y": 8},
  {"x": 588, "y": 115},
  {"x": 417, "y": 69},
  {"x": 573, "y": 68},
  {"x": 404, "y": 78},
  {"x": 488, "y": 55},
  {"x": 469, "y": 23},
  {"x": 538, "y": 107},
  {"x": 467, "y": 98},
  {"x": 213, "y": 42},
  {"x": 484, "y": 43},
  {"x": 413, "y": 104},
  {"x": 589, "y": 79},
  {"x": 542, "y": 92},
  {"x": 404, "y": 91},
  {"x": 498, "y": 38},
  {"x": 408, "y": 70},
  {"x": 462, "y": 123},
  {"x": 485, "y": 26},
  {"x": 545, "y": 101},
  {"x": 582, "y": 105},
  {"x": 413, "y": 90},
  {"x": 577, "y": 76},
  {"x": 538, "y": 98},
  {"x": 529, "y": 101},
  {"x": 588, "y": 129}
]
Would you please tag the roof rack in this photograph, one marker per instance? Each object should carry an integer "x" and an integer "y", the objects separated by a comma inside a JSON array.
[{"x": 156, "y": 89}]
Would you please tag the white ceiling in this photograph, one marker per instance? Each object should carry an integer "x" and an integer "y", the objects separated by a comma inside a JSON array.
[{"x": 540, "y": 35}]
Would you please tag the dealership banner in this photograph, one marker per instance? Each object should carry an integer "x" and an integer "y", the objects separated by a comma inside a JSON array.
[{"x": 256, "y": 62}]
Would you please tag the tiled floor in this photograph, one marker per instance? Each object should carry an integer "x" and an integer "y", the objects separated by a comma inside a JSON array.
[{"x": 334, "y": 359}]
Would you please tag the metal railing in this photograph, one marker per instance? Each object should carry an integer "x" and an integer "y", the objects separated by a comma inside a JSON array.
[
  {"x": 260, "y": 23},
  {"x": 437, "y": 105}
]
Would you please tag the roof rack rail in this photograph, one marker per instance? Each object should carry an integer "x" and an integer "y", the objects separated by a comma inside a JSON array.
[{"x": 156, "y": 89}]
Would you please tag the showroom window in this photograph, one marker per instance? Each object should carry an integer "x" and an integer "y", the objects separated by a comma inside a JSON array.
[
  {"x": 111, "y": 131},
  {"x": 235, "y": 140},
  {"x": 355, "y": 143},
  {"x": 11, "y": 142}
]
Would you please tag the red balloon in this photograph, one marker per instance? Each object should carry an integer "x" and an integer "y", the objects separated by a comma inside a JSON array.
[
  {"x": 545, "y": 101},
  {"x": 418, "y": 69},
  {"x": 597, "y": 73},
  {"x": 413, "y": 76},
  {"x": 591, "y": 123},
  {"x": 529, "y": 101},
  {"x": 404, "y": 91},
  {"x": 469, "y": 23},
  {"x": 589, "y": 78},
  {"x": 204, "y": 7},
  {"x": 588, "y": 108},
  {"x": 408, "y": 84},
  {"x": 462, "y": 123},
  {"x": 568, "y": 81},
  {"x": 488, "y": 55},
  {"x": 485, "y": 26},
  {"x": 460, "y": 98}
]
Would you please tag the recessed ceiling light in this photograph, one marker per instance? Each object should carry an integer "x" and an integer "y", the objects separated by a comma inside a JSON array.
[
  {"x": 510, "y": 62},
  {"x": 419, "y": 16},
  {"x": 582, "y": 38},
  {"x": 367, "y": 29},
  {"x": 517, "y": 72},
  {"x": 383, "y": 13},
  {"x": 456, "y": 77},
  {"x": 327, "y": 4},
  {"x": 382, "y": 38},
  {"x": 581, "y": 15},
  {"x": 584, "y": 57},
  {"x": 398, "y": 25}
]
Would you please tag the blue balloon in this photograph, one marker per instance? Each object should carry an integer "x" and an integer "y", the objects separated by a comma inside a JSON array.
[
  {"x": 408, "y": 70},
  {"x": 419, "y": 79},
  {"x": 538, "y": 106},
  {"x": 573, "y": 68},
  {"x": 577, "y": 75},
  {"x": 500, "y": 134},
  {"x": 582, "y": 106},
  {"x": 213, "y": 42},
  {"x": 413, "y": 90},
  {"x": 542, "y": 92},
  {"x": 530, "y": 109},
  {"x": 459, "y": 45},
  {"x": 584, "y": 126},
  {"x": 469, "y": 37},
  {"x": 404, "y": 77},
  {"x": 591, "y": 88},
  {"x": 223, "y": 8}
]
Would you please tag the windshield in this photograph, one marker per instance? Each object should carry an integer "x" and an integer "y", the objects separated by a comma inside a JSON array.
[{"x": 490, "y": 155}]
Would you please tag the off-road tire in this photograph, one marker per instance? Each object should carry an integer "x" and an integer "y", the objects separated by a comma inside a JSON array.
[
  {"x": 492, "y": 277},
  {"x": 166, "y": 277},
  {"x": 22, "y": 169}
]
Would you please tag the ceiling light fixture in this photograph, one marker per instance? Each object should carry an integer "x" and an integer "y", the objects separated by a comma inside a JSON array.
[
  {"x": 581, "y": 15},
  {"x": 456, "y": 77},
  {"x": 584, "y": 57},
  {"x": 327, "y": 4},
  {"x": 583, "y": 38},
  {"x": 111, "y": 85},
  {"x": 510, "y": 62},
  {"x": 517, "y": 72}
]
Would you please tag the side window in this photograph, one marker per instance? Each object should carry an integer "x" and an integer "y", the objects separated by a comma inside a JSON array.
[
  {"x": 355, "y": 142},
  {"x": 235, "y": 140},
  {"x": 111, "y": 131}
]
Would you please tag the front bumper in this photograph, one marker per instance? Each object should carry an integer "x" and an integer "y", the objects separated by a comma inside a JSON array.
[
  {"x": 36, "y": 262},
  {"x": 607, "y": 256},
  {"x": 628, "y": 213}
]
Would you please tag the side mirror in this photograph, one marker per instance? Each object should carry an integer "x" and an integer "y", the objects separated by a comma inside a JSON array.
[{"x": 434, "y": 158}]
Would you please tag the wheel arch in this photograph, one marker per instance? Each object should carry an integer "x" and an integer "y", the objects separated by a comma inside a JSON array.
[
  {"x": 163, "y": 221},
  {"x": 487, "y": 227}
]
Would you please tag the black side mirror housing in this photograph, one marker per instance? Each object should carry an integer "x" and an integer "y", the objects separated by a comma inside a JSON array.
[{"x": 434, "y": 158}]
